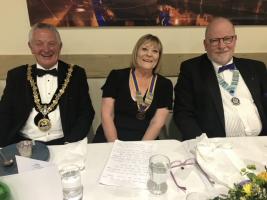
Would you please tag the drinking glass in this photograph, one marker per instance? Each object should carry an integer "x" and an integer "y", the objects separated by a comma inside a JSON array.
[
  {"x": 25, "y": 148},
  {"x": 71, "y": 183},
  {"x": 159, "y": 168}
]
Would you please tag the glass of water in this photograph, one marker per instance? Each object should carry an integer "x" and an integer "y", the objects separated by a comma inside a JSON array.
[
  {"x": 24, "y": 148},
  {"x": 159, "y": 168},
  {"x": 71, "y": 183}
]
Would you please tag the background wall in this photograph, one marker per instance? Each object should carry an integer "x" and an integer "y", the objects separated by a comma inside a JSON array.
[{"x": 15, "y": 26}]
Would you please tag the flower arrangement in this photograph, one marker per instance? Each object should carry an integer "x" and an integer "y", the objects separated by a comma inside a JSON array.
[{"x": 255, "y": 188}]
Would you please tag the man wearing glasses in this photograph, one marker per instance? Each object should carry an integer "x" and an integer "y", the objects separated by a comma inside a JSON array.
[{"x": 219, "y": 94}]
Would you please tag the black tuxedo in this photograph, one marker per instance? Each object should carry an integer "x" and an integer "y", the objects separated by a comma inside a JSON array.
[
  {"x": 75, "y": 105},
  {"x": 198, "y": 104}
]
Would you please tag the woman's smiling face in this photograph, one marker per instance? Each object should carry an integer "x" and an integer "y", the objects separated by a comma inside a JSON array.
[{"x": 147, "y": 56}]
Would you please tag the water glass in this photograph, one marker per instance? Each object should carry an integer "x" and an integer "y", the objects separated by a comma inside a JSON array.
[
  {"x": 159, "y": 168},
  {"x": 24, "y": 148},
  {"x": 71, "y": 183}
]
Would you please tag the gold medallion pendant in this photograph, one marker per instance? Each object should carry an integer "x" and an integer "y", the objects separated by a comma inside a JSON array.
[
  {"x": 235, "y": 101},
  {"x": 142, "y": 104},
  {"x": 141, "y": 115},
  {"x": 44, "y": 124}
]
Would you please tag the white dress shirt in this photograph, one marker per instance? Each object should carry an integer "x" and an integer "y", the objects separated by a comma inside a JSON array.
[
  {"x": 47, "y": 85},
  {"x": 242, "y": 119}
]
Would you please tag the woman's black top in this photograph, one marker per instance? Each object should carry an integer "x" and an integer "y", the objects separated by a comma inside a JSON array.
[{"x": 129, "y": 128}]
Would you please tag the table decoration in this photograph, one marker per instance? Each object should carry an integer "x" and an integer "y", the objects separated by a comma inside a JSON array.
[{"x": 253, "y": 188}]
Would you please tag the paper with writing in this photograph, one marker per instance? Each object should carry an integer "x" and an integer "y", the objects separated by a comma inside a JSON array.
[
  {"x": 27, "y": 164},
  {"x": 128, "y": 165}
]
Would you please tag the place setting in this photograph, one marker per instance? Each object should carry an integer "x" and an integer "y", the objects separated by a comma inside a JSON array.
[{"x": 26, "y": 148}]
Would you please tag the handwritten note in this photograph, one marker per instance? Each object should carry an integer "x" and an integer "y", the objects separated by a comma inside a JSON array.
[{"x": 128, "y": 164}]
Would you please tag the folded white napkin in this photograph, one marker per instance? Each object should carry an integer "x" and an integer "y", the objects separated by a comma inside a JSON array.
[
  {"x": 219, "y": 161},
  {"x": 71, "y": 153}
]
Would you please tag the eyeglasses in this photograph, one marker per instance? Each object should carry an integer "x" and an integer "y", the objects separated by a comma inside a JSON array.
[{"x": 226, "y": 40}]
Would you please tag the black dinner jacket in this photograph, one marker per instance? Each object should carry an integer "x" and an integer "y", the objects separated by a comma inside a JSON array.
[
  {"x": 75, "y": 105},
  {"x": 198, "y": 104}
]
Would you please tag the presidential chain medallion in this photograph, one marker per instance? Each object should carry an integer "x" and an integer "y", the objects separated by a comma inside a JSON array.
[
  {"x": 142, "y": 104},
  {"x": 141, "y": 115},
  {"x": 235, "y": 101},
  {"x": 231, "y": 89},
  {"x": 44, "y": 124}
]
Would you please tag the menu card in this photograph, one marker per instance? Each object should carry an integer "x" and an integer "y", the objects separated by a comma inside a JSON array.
[
  {"x": 27, "y": 164},
  {"x": 128, "y": 164}
]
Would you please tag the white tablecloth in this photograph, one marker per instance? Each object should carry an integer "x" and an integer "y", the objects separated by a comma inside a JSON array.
[{"x": 251, "y": 149}]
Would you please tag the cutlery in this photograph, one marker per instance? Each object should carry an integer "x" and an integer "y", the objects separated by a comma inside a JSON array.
[{"x": 5, "y": 161}]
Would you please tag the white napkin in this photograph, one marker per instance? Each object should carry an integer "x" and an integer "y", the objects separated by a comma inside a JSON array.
[
  {"x": 71, "y": 153},
  {"x": 219, "y": 161}
]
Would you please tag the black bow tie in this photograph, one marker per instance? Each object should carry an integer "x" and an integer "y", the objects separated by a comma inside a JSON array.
[
  {"x": 225, "y": 67},
  {"x": 41, "y": 72}
]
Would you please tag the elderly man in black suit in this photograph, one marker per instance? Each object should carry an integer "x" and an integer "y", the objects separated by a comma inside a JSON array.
[
  {"x": 47, "y": 101},
  {"x": 219, "y": 94}
]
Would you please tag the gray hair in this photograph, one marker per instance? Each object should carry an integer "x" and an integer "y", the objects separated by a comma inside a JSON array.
[
  {"x": 44, "y": 26},
  {"x": 140, "y": 42}
]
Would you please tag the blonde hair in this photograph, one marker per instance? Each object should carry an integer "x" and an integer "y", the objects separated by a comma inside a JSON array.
[{"x": 144, "y": 39}]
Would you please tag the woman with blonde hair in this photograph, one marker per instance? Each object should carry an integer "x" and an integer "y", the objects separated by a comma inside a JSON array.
[{"x": 136, "y": 100}]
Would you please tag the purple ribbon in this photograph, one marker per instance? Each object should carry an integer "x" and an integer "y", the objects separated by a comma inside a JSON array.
[{"x": 178, "y": 163}]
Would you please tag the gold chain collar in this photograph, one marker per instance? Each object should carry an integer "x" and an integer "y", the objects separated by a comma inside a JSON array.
[{"x": 45, "y": 109}]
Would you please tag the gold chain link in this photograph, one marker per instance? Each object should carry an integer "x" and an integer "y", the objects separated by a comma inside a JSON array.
[{"x": 45, "y": 109}]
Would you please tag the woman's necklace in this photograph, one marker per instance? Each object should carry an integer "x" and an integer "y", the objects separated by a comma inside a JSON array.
[{"x": 142, "y": 104}]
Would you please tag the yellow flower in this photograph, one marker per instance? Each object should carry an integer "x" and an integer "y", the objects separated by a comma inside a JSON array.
[
  {"x": 247, "y": 189},
  {"x": 263, "y": 176}
]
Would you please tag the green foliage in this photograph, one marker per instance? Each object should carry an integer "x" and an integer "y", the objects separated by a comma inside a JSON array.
[
  {"x": 4, "y": 192},
  {"x": 255, "y": 188}
]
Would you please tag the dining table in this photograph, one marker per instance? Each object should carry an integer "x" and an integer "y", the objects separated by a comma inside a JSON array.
[{"x": 187, "y": 177}]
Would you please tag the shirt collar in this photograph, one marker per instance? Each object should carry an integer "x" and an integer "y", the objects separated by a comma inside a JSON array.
[
  {"x": 40, "y": 67},
  {"x": 216, "y": 66}
]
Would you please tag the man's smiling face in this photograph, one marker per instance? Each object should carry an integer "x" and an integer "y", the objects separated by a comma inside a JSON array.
[{"x": 45, "y": 47}]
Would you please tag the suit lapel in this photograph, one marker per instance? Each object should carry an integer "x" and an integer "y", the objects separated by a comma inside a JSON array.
[
  {"x": 63, "y": 103},
  {"x": 213, "y": 86},
  {"x": 62, "y": 72},
  {"x": 248, "y": 77},
  {"x": 29, "y": 93},
  {"x": 252, "y": 84}
]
